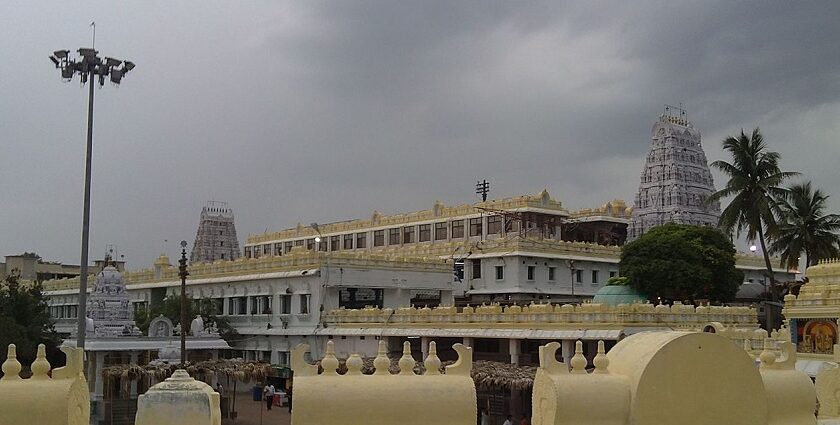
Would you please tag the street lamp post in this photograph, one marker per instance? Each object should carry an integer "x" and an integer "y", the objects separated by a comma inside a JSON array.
[
  {"x": 89, "y": 66},
  {"x": 183, "y": 273}
]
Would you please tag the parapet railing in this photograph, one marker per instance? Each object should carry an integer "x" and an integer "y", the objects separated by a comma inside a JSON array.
[{"x": 675, "y": 316}]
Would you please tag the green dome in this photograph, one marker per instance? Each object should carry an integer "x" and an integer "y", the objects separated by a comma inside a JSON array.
[{"x": 618, "y": 294}]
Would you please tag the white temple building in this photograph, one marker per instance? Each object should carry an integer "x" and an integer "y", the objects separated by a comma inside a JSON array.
[{"x": 675, "y": 180}]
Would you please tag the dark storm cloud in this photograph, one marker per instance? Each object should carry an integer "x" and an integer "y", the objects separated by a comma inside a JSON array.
[{"x": 313, "y": 111}]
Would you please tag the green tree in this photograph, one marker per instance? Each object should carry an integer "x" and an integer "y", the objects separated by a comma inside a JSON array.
[
  {"x": 754, "y": 179},
  {"x": 24, "y": 319},
  {"x": 208, "y": 308},
  {"x": 803, "y": 226},
  {"x": 682, "y": 262}
]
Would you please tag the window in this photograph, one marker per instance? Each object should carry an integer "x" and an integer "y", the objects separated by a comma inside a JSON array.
[
  {"x": 475, "y": 226},
  {"x": 531, "y": 271},
  {"x": 378, "y": 238},
  {"x": 287, "y": 246},
  {"x": 408, "y": 234},
  {"x": 425, "y": 233},
  {"x": 221, "y": 243},
  {"x": 551, "y": 271},
  {"x": 457, "y": 229},
  {"x": 579, "y": 276},
  {"x": 223, "y": 256},
  {"x": 322, "y": 246},
  {"x": 247, "y": 252},
  {"x": 278, "y": 249},
  {"x": 310, "y": 244},
  {"x": 476, "y": 269},
  {"x": 613, "y": 273},
  {"x": 267, "y": 249},
  {"x": 394, "y": 236},
  {"x": 237, "y": 306},
  {"x": 348, "y": 241},
  {"x": 74, "y": 311},
  {"x": 440, "y": 231},
  {"x": 335, "y": 243},
  {"x": 500, "y": 272},
  {"x": 361, "y": 240},
  {"x": 594, "y": 276},
  {"x": 304, "y": 303},
  {"x": 494, "y": 225},
  {"x": 257, "y": 251},
  {"x": 261, "y": 304},
  {"x": 299, "y": 242},
  {"x": 285, "y": 304}
]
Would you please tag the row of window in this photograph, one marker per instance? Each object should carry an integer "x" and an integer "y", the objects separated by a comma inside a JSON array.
[
  {"x": 64, "y": 311},
  {"x": 262, "y": 304},
  {"x": 532, "y": 272},
  {"x": 396, "y": 236}
]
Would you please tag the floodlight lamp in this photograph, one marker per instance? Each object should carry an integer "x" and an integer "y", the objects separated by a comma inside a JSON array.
[
  {"x": 55, "y": 61},
  {"x": 101, "y": 80},
  {"x": 753, "y": 248},
  {"x": 112, "y": 62},
  {"x": 317, "y": 239},
  {"x": 67, "y": 73},
  {"x": 61, "y": 54},
  {"x": 183, "y": 244},
  {"x": 87, "y": 53},
  {"x": 116, "y": 76},
  {"x": 128, "y": 65}
]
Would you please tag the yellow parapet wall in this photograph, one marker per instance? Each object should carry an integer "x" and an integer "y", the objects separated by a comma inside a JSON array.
[
  {"x": 383, "y": 398},
  {"x": 62, "y": 399},
  {"x": 685, "y": 378}
]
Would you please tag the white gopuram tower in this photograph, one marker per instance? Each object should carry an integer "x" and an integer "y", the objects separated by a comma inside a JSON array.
[
  {"x": 675, "y": 180},
  {"x": 216, "y": 235}
]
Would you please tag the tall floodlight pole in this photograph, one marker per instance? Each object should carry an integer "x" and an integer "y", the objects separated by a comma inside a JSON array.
[
  {"x": 89, "y": 67},
  {"x": 183, "y": 273}
]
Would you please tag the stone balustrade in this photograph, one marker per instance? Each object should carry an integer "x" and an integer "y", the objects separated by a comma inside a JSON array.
[
  {"x": 382, "y": 398},
  {"x": 60, "y": 398},
  {"x": 299, "y": 260},
  {"x": 536, "y": 315}
]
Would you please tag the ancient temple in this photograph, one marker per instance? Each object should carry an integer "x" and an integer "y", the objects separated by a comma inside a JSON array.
[
  {"x": 216, "y": 235},
  {"x": 675, "y": 181}
]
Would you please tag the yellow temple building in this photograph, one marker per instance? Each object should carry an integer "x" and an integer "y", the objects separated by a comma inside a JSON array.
[{"x": 812, "y": 316}]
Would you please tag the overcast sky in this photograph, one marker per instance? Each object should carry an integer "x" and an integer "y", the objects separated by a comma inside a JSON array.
[{"x": 312, "y": 111}]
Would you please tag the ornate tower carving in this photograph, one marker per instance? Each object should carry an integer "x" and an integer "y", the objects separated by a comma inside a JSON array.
[
  {"x": 216, "y": 235},
  {"x": 675, "y": 180}
]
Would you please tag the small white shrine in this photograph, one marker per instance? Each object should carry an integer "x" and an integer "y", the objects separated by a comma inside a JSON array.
[{"x": 112, "y": 337}]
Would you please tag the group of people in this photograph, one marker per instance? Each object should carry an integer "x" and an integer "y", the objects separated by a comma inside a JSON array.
[{"x": 484, "y": 419}]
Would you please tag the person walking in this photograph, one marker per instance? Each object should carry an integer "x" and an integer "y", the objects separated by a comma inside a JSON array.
[
  {"x": 508, "y": 421},
  {"x": 268, "y": 393},
  {"x": 484, "y": 417}
]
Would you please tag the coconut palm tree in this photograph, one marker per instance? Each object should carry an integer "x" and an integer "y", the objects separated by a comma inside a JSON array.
[
  {"x": 803, "y": 226},
  {"x": 754, "y": 179}
]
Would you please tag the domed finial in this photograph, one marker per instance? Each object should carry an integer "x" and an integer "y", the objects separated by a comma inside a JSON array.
[
  {"x": 40, "y": 367},
  {"x": 406, "y": 361},
  {"x": 578, "y": 360},
  {"x": 381, "y": 362},
  {"x": 432, "y": 362},
  {"x": 354, "y": 365},
  {"x": 767, "y": 357},
  {"x": 11, "y": 367},
  {"x": 330, "y": 362},
  {"x": 601, "y": 361}
]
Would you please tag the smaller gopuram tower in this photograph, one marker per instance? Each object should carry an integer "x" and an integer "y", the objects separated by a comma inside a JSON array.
[
  {"x": 675, "y": 180},
  {"x": 216, "y": 235}
]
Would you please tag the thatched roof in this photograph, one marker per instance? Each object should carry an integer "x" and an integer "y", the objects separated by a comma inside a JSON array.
[
  {"x": 487, "y": 375},
  {"x": 232, "y": 368}
]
